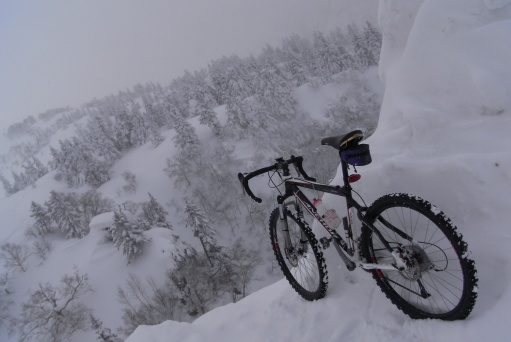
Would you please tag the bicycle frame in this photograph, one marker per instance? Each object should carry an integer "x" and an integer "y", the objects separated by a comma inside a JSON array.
[
  {"x": 347, "y": 248},
  {"x": 408, "y": 270}
]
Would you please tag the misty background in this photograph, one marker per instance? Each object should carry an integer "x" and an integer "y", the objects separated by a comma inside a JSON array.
[{"x": 57, "y": 53}]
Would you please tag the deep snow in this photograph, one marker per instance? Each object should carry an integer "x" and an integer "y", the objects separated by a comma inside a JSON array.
[{"x": 443, "y": 134}]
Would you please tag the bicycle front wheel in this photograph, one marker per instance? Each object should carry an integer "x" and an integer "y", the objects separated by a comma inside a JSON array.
[
  {"x": 440, "y": 279},
  {"x": 300, "y": 258}
]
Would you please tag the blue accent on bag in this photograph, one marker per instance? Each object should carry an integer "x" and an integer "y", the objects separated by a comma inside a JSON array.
[{"x": 358, "y": 155}]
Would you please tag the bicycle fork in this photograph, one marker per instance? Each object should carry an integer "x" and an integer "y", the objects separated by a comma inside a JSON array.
[
  {"x": 292, "y": 251},
  {"x": 285, "y": 226}
]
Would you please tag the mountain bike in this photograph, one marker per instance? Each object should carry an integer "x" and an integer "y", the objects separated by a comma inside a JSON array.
[{"x": 414, "y": 252}]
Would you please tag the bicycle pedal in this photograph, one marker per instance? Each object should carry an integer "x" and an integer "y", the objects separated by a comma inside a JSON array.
[{"x": 325, "y": 242}]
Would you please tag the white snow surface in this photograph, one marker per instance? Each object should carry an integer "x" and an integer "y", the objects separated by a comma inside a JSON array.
[{"x": 443, "y": 135}]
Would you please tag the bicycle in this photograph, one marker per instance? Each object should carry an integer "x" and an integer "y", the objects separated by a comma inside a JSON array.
[{"x": 413, "y": 251}]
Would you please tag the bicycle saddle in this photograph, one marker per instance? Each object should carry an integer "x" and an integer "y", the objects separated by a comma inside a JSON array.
[{"x": 341, "y": 142}]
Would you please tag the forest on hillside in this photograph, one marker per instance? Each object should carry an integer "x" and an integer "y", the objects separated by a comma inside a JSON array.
[{"x": 256, "y": 94}]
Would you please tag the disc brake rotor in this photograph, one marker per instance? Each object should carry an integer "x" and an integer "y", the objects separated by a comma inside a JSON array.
[
  {"x": 292, "y": 256},
  {"x": 418, "y": 262}
]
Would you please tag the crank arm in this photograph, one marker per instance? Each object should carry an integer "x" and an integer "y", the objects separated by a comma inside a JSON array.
[{"x": 349, "y": 264}]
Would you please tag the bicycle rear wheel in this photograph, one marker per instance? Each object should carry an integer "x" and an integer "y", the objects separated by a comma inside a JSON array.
[
  {"x": 440, "y": 281},
  {"x": 301, "y": 260}
]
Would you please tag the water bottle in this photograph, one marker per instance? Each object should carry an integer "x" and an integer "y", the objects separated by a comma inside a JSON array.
[{"x": 327, "y": 214}]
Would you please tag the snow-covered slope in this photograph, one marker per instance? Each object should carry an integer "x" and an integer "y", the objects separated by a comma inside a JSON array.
[{"x": 443, "y": 135}]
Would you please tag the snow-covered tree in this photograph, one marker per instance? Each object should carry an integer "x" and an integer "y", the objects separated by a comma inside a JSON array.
[
  {"x": 373, "y": 41},
  {"x": 34, "y": 169},
  {"x": 207, "y": 116},
  {"x": 129, "y": 128},
  {"x": 186, "y": 138},
  {"x": 274, "y": 92},
  {"x": 326, "y": 63},
  {"x": 99, "y": 133},
  {"x": 78, "y": 165},
  {"x": 154, "y": 113},
  {"x": 92, "y": 203},
  {"x": 182, "y": 92},
  {"x": 231, "y": 78},
  {"x": 155, "y": 136},
  {"x": 238, "y": 117},
  {"x": 298, "y": 58},
  {"x": 70, "y": 211},
  {"x": 202, "y": 229},
  {"x": 127, "y": 234},
  {"x": 341, "y": 47},
  {"x": 178, "y": 169},
  {"x": 154, "y": 213},
  {"x": 364, "y": 57},
  {"x": 64, "y": 210},
  {"x": 42, "y": 218}
]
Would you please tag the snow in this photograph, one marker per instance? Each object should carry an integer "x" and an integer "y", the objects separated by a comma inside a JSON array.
[{"x": 443, "y": 135}]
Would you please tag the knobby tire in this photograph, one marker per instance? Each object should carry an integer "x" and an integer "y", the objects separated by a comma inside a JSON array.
[{"x": 307, "y": 272}]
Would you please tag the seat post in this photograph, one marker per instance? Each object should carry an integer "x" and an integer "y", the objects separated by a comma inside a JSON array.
[{"x": 345, "y": 175}]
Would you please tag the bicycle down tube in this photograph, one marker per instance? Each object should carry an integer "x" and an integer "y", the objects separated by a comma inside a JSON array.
[{"x": 292, "y": 189}]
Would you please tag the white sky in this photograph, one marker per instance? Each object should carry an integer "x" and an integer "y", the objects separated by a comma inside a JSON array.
[{"x": 55, "y": 53}]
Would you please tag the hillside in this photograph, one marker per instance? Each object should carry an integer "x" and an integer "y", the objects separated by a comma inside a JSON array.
[{"x": 443, "y": 134}]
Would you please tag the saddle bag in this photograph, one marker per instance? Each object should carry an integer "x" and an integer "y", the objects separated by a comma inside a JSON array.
[{"x": 358, "y": 155}]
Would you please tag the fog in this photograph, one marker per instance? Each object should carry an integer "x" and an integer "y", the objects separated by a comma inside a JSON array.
[{"x": 55, "y": 53}]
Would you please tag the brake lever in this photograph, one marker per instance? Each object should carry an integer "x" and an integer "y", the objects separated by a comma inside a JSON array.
[
  {"x": 241, "y": 176},
  {"x": 297, "y": 170}
]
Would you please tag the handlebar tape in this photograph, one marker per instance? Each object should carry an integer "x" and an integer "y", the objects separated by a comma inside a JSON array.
[
  {"x": 244, "y": 183},
  {"x": 298, "y": 161},
  {"x": 244, "y": 179}
]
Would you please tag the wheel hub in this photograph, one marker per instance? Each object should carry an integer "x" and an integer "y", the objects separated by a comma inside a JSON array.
[
  {"x": 417, "y": 262},
  {"x": 292, "y": 256}
]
